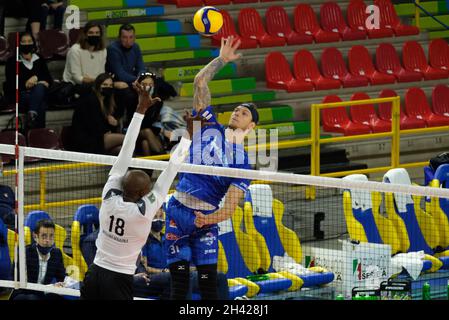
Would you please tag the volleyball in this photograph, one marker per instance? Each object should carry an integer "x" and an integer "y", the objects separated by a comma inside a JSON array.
[{"x": 208, "y": 21}]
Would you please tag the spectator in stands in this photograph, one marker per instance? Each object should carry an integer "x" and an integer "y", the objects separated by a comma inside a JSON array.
[
  {"x": 2, "y": 17},
  {"x": 154, "y": 145},
  {"x": 52, "y": 7},
  {"x": 44, "y": 263},
  {"x": 86, "y": 59},
  {"x": 94, "y": 126},
  {"x": 38, "y": 11},
  {"x": 161, "y": 120},
  {"x": 34, "y": 81},
  {"x": 125, "y": 62}
]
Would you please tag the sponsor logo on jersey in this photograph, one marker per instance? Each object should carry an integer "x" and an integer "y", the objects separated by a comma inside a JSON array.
[
  {"x": 171, "y": 236},
  {"x": 151, "y": 198},
  {"x": 208, "y": 238}
]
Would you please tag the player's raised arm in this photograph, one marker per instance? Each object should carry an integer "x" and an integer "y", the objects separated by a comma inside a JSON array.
[
  {"x": 232, "y": 199},
  {"x": 201, "y": 93},
  {"x": 124, "y": 158}
]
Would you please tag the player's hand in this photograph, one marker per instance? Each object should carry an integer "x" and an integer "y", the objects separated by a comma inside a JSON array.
[
  {"x": 145, "y": 100},
  {"x": 228, "y": 49},
  {"x": 194, "y": 123},
  {"x": 200, "y": 220}
]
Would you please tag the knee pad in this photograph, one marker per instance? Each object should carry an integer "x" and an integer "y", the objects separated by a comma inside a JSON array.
[
  {"x": 207, "y": 281},
  {"x": 180, "y": 280}
]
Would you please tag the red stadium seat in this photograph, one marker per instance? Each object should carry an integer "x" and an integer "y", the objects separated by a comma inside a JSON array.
[
  {"x": 216, "y": 2},
  {"x": 189, "y": 3},
  {"x": 387, "y": 61},
  {"x": 334, "y": 67},
  {"x": 279, "y": 76},
  {"x": 439, "y": 54},
  {"x": 5, "y": 52},
  {"x": 390, "y": 18},
  {"x": 356, "y": 16},
  {"x": 74, "y": 35},
  {"x": 278, "y": 24},
  {"x": 228, "y": 29},
  {"x": 251, "y": 26},
  {"x": 43, "y": 138},
  {"x": 415, "y": 59},
  {"x": 305, "y": 68},
  {"x": 306, "y": 23},
  {"x": 9, "y": 137},
  {"x": 332, "y": 20},
  {"x": 243, "y": 1},
  {"x": 416, "y": 106},
  {"x": 405, "y": 121},
  {"x": 53, "y": 43},
  {"x": 360, "y": 63},
  {"x": 440, "y": 100},
  {"x": 366, "y": 114},
  {"x": 337, "y": 120}
]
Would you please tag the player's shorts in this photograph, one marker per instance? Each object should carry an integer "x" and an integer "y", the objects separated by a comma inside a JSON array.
[
  {"x": 102, "y": 284},
  {"x": 184, "y": 241}
]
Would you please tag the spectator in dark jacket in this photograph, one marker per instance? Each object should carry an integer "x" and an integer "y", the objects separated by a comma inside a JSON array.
[
  {"x": 125, "y": 62},
  {"x": 38, "y": 11},
  {"x": 94, "y": 126},
  {"x": 43, "y": 262},
  {"x": 34, "y": 80}
]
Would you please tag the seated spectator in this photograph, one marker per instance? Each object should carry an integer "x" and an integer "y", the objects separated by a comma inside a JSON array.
[
  {"x": 86, "y": 59},
  {"x": 94, "y": 127},
  {"x": 34, "y": 81},
  {"x": 38, "y": 11},
  {"x": 152, "y": 278},
  {"x": 44, "y": 263},
  {"x": 154, "y": 145},
  {"x": 52, "y": 7},
  {"x": 125, "y": 62}
]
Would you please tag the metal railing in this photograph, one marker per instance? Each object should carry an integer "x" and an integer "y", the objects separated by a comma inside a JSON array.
[{"x": 315, "y": 141}]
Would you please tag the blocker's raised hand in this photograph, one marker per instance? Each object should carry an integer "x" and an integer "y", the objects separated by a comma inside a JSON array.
[{"x": 228, "y": 49}]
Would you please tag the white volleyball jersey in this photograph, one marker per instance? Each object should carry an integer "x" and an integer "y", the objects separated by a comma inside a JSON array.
[{"x": 125, "y": 226}]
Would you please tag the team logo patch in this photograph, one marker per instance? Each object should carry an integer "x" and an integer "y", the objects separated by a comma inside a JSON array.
[
  {"x": 172, "y": 223},
  {"x": 171, "y": 236},
  {"x": 151, "y": 198},
  {"x": 208, "y": 238}
]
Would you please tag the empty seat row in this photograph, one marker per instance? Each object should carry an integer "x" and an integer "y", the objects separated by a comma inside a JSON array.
[
  {"x": 364, "y": 118},
  {"x": 278, "y": 30},
  {"x": 362, "y": 71},
  {"x": 44, "y": 138}
]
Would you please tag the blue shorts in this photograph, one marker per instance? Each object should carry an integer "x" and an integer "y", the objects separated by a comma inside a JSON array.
[{"x": 184, "y": 241}]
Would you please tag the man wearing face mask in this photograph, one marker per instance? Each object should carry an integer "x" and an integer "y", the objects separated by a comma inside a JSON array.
[
  {"x": 44, "y": 263},
  {"x": 125, "y": 62},
  {"x": 86, "y": 59},
  {"x": 34, "y": 81}
]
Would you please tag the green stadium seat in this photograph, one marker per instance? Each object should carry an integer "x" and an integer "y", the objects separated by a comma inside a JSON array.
[
  {"x": 148, "y": 29},
  {"x": 169, "y": 42},
  {"x": 188, "y": 73},
  {"x": 227, "y": 86}
]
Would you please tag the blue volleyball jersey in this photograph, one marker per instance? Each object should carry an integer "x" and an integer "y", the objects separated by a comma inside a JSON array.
[{"x": 213, "y": 150}]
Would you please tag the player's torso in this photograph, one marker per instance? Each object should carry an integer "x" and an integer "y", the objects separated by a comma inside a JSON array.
[{"x": 123, "y": 228}]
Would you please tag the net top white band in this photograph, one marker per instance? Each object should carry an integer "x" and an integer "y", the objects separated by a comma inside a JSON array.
[{"x": 280, "y": 177}]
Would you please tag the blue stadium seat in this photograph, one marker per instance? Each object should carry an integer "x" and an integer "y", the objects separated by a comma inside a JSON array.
[
  {"x": 242, "y": 257},
  {"x": 263, "y": 221}
]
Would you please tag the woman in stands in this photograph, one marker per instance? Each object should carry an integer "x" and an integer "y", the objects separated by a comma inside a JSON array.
[
  {"x": 94, "y": 127},
  {"x": 86, "y": 59},
  {"x": 34, "y": 80},
  {"x": 160, "y": 121}
]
